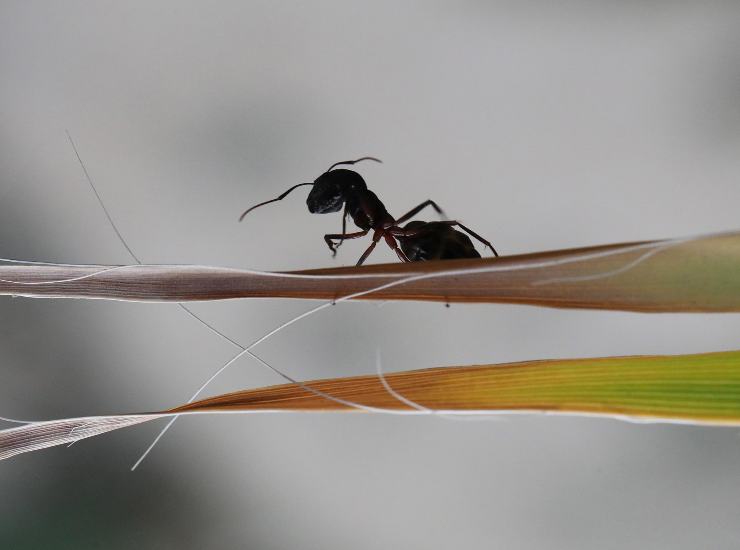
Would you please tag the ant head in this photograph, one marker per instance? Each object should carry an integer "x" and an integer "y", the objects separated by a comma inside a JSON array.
[{"x": 330, "y": 190}]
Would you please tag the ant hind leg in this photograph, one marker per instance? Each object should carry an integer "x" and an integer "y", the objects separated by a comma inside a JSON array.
[
  {"x": 472, "y": 234},
  {"x": 414, "y": 211}
]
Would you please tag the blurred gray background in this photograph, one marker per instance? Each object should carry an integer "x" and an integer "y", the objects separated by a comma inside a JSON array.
[{"x": 541, "y": 125}]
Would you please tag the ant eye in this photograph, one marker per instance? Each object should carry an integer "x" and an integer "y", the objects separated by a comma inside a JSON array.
[{"x": 325, "y": 198}]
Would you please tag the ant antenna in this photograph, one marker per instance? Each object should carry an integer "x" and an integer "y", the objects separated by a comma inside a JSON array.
[
  {"x": 281, "y": 197},
  {"x": 353, "y": 162}
]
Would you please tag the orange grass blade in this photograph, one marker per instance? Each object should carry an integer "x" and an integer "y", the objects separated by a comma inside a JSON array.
[
  {"x": 684, "y": 275},
  {"x": 702, "y": 389},
  {"x": 693, "y": 388}
]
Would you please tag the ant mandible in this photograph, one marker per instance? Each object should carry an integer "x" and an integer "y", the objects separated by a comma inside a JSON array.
[{"x": 419, "y": 240}]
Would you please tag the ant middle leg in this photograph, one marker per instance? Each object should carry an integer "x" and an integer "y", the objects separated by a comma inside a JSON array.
[
  {"x": 329, "y": 239},
  {"x": 414, "y": 211},
  {"x": 376, "y": 237},
  {"x": 390, "y": 241}
]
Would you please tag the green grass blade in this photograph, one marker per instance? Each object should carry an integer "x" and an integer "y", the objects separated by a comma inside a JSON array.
[
  {"x": 700, "y": 389},
  {"x": 703, "y": 388}
]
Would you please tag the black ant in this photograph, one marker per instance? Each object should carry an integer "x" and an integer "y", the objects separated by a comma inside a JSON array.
[{"x": 419, "y": 240}]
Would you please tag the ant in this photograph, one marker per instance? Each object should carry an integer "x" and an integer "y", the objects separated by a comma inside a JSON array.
[{"x": 419, "y": 240}]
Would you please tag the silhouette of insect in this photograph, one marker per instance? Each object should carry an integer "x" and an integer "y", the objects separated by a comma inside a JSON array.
[{"x": 337, "y": 188}]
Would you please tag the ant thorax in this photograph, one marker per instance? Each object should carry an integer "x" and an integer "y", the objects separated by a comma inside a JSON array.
[{"x": 367, "y": 211}]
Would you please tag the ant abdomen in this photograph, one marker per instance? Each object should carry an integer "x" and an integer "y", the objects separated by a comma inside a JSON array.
[{"x": 435, "y": 241}]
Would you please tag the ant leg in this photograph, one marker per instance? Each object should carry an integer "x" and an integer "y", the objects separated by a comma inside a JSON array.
[
  {"x": 344, "y": 229},
  {"x": 376, "y": 237},
  {"x": 414, "y": 211},
  {"x": 472, "y": 234},
  {"x": 329, "y": 239},
  {"x": 394, "y": 245}
]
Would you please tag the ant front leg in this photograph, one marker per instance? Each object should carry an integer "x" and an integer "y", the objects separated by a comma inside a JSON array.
[
  {"x": 344, "y": 230},
  {"x": 329, "y": 239},
  {"x": 414, "y": 211}
]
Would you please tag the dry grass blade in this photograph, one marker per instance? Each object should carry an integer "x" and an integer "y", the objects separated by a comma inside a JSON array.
[
  {"x": 699, "y": 274},
  {"x": 41, "y": 435},
  {"x": 702, "y": 389}
]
